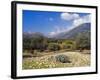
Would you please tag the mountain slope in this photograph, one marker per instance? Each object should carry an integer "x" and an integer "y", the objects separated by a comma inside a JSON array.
[
  {"x": 32, "y": 35},
  {"x": 74, "y": 32}
]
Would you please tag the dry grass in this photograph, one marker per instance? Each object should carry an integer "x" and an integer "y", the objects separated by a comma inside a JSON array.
[{"x": 48, "y": 61}]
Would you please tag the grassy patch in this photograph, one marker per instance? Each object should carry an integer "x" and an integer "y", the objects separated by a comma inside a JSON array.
[{"x": 48, "y": 61}]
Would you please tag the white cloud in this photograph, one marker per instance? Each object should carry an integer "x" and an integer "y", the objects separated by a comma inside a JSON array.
[
  {"x": 81, "y": 20},
  {"x": 57, "y": 30},
  {"x": 69, "y": 16},
  {"x": 76, "y": 22},
  {"x": 51, "y": 19},
  {"x": 52, "y": 33},
  {"x": 87, "y": 18},
  {"x": 75, "y": 16}
]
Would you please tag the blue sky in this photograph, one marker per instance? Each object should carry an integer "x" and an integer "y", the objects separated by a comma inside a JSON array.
[{"x": 51, "y": 23}]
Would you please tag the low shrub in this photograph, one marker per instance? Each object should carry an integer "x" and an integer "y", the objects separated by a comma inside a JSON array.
[
  {"x": 62, "y": 59},
  {"x": 53, "y": 47}
]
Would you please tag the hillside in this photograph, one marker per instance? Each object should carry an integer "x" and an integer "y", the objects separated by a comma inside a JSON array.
[{"x": 73, "y": 32}]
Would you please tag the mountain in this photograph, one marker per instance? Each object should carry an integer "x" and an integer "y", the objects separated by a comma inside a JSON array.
[
  {"x": 32, "y": 35},
  {"x": 71, "y": 34},
  {"x": 74, "y": 32}
]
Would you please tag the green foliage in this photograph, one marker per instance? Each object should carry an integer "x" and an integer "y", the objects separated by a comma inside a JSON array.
[
  {"x": 62, "y": 58},
  {"x": 68, "y": 44},
  {"x": 40, "y": 43},
  {"x": 53, "y": 46},
  {"x": 26, "y": 43},
  {"x": 83, "y": 40},
  {"x": 37, "y": 43}
]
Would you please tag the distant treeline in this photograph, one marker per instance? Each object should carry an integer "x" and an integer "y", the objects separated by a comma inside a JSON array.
[{"x": 41, "y": 43}]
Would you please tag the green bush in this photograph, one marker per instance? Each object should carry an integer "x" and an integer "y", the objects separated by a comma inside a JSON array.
[
  {"x": 53, "y": 47},
  {"x": 62, "y": 58}
]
